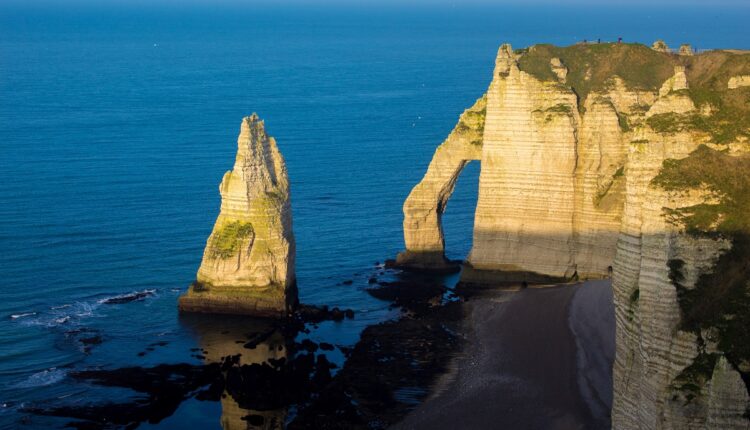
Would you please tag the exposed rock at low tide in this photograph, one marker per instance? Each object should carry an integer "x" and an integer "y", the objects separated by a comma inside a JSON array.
[{"x": 259, "y": 379}]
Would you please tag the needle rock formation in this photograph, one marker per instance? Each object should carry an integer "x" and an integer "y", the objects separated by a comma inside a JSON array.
[
  {"x": 248, "y": 262},
  {"x": 626, "y": 161}
]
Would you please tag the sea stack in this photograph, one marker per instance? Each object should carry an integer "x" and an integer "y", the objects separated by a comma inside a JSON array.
[{"x": 248, "y": 263}]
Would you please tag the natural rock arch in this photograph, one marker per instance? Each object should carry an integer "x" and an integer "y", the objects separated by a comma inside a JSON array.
[
  {"x": 423, "y": 209},
  {"x": 604, "y": 172}
]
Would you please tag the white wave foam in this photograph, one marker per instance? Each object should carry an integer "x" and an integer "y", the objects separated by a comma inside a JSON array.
[
  {"x": 62, "y": 320},
  {"x": 43, "y": 378},
  {"x": 84, "y": 309},
  {"x": 17, "y": 316},
  {"x": 67, "y": 305},
  {"x": 128, "y": 297},
  {"x": 72, "y": 313},
  {"x": 58, "y": 315}
]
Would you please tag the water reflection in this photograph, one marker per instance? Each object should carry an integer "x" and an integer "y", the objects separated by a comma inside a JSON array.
[{"x": 227, "y": 336}]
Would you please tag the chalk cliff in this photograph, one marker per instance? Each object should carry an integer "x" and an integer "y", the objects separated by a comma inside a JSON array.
[
  {"x": 626, "y": 161},
  {"x": 248, "y": 262},
  {"x": 423, "y": 232}
]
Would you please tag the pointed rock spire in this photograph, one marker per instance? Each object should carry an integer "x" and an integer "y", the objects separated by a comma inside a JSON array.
[{"x": 248, "y": 262}]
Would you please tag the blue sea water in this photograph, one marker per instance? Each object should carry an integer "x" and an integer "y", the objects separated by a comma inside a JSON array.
[{"x": 117, "y": 123}]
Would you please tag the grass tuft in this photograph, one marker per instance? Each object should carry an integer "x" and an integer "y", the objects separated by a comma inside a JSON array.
[
  {"x": 227, "y": 240},
  {"x": 472, "y": 121},
  {"x": 695, "y": 376}
]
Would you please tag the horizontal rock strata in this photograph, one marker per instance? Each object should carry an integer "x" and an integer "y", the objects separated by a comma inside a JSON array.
[
  {"x": 620, "y": 160},
  {"x": 423, "y": 209},
  {"x": 248, "y": 262}
]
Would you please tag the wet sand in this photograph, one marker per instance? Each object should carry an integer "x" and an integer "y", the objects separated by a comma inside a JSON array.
[{"x": 538, "y": 358}]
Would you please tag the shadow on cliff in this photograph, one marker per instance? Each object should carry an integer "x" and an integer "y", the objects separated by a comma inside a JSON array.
[{"x": 532, "y": 258}]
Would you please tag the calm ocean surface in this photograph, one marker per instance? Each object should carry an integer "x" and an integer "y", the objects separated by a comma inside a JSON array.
[{"x": 117, "y": 125}]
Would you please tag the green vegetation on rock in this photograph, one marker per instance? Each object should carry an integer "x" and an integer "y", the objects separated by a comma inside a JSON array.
[
  {"x": 639, "y": 109},
  {"x": 634, "y": 296},
  {"x": 695, "y": 376},
  {"x": 592, "y": 66},
  {"x": 623, "y": 122},
  {"x": 720, "y": 299},
  {"x": 723, "y": 125},
  {"x": 227, "y": 240},
  {"x": 708, "y": 76},
  {"x": 472, "y": 120},
  {"x": 670, "y": 123},
  {"x": 560, "y": 108}
]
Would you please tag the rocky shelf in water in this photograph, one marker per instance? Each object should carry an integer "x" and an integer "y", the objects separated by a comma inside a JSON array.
[{"x": 264, "y": 374}]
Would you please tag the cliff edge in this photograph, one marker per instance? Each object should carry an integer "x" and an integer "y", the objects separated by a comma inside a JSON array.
[{"x": 621, "y": 160}]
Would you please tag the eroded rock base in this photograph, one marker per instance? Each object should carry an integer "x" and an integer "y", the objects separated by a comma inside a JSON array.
[{"x": 259, "y": 302}]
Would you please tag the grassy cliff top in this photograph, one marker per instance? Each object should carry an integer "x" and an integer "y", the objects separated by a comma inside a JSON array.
[
  {"x": 708, "y": 76},
  {"x": 591, "y": 67}
]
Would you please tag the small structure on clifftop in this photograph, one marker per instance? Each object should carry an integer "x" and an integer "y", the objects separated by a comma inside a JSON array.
[
  {"x": 248, "y": 263},
  {"x": 686, "y": 49},
  {"x": 660, "y": 46}
]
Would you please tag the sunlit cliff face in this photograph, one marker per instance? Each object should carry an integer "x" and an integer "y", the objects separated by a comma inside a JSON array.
[
  {"x": 248, "y": 265},
  {"x": 617, "y": 160}
]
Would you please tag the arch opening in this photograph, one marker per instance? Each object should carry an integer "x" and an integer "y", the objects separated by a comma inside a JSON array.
[
  {"x": 457, "y": 218},
  {"x": 423, "y": 210}
]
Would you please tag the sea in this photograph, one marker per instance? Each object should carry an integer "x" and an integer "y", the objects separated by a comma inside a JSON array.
[{"x": 118, "y": 120}]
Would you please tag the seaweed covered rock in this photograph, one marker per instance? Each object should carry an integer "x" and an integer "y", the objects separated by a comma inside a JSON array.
[{"x": 248, "y": 262}]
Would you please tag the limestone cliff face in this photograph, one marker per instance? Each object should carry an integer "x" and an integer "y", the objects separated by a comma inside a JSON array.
[
  {"x": 528, "y": 161},
  {"x": 676, "y": 324},
  {"x": 551, "y": 185},
  {"x": 621, "y": 160},
  {"x": 738, "y": 81},
  {"x": 248, "y": 262},
  {"x": 652, "y": 350}
]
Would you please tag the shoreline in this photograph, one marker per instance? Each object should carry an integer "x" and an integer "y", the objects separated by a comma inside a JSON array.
[
  {"x": 497, "y": 357},
  {"x": 521, "y": 365},
  {"x": 591, "y": 319}
]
